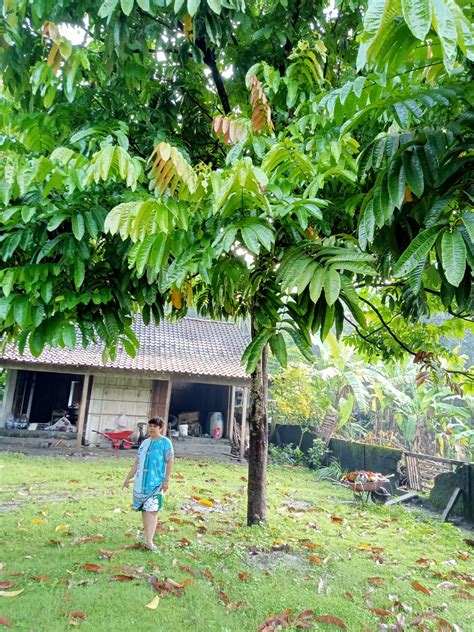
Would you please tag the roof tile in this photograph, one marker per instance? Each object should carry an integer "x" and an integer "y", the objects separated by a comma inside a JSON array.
[{"x": 191, "y": 346}]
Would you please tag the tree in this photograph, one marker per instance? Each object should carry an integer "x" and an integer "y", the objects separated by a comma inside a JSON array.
[{"x": 346, "y": 168}]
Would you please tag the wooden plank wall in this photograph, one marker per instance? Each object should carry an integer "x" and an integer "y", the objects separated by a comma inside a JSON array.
[{"x": 160, "y": 401}]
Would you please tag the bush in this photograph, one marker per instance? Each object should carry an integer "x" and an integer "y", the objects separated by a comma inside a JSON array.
[{"x": 293, "y": 455}]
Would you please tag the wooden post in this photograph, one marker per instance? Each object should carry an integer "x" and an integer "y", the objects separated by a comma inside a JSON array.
[
  {"x": 243, "y": 429},
  {"x": 451, "y": 502},
  {"x": 230, "y": 413},
  {"x": 82, "y": 410}
]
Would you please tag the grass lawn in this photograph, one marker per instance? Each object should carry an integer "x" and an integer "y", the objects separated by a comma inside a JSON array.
[{"x": 320, "y": 552}]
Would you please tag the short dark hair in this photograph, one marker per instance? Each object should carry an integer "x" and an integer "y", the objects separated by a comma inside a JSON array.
[{"x": 156, "y": 421}]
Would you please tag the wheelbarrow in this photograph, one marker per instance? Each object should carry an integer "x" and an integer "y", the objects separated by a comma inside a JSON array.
[
  {"x": 119, "y": 438},
  {"x": 376, "y": 489}
]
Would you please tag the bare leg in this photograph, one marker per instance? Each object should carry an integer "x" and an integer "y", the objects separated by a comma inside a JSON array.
[{"x": 149, "y": 525}]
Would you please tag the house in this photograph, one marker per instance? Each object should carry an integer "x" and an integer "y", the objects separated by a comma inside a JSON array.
[{"x": 189, "y": 366}]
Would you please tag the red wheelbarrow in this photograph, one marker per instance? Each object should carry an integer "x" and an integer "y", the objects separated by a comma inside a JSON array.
[{"x": 120, "y": 438}]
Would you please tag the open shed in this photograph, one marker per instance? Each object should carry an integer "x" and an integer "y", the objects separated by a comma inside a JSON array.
[{"x": 189, "y": 368}]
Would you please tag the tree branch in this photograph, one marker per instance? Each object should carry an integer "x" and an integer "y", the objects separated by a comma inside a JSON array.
[
  {"x": 210, "y": 61},
  {"x": 390, "y": 331}
]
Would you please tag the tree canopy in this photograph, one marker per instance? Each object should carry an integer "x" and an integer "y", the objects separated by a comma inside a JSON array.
[{"x": 265, "y": 159}]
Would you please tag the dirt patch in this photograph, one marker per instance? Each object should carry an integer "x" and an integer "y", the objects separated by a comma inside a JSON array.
[{"x": 272, "y": 560}]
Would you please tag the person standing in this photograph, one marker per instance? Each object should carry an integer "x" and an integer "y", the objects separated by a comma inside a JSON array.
[{"x": 151, "y": 473}]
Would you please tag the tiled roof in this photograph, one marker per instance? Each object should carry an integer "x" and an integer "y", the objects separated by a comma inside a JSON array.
[{"x": 191, "y": 346}]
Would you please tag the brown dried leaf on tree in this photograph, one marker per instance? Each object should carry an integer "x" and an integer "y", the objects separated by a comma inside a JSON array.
[
  {"x": 229, "y": 129},
  {"x": 261, "y": 113},
  {"x": 170, "y": 170}
]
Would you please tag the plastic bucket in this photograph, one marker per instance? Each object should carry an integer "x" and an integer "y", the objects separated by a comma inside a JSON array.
[{"x": 183, "y": 430}]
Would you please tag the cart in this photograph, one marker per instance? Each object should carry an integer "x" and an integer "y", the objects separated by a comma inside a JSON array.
[
  {"x": 119, "y": 438},
  {"x": 376, "y": 490}
]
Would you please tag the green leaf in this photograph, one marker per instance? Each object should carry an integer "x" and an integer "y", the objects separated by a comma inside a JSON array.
[
  {"x": 107, "y": 8},
  {"x": 327, "y": 322},
  {"x": 453, "y": 252},
  {"x": 367, "y": 226},
  {"x": 414, "y": 173},
  {"x": 468, "y": 220},
  {"x": 316, "y": 284},
  {"x": 278, "y": 347},
  {"x": 127, "y": 6},
  {"x": 417, "y": 14},
  {"x": 253, "y": 352},
  {"x": 396, "y": 183},
  {"x": 177, "y": 5},
  {"x": 416, "y": 251},
  {"x": 20, "y": 310},
  {"x": 78, "y": 227},
  {"x": 79, "y": 273},
  {"x": 193, "y": 6},
  {"x": 332, "y": 285},
  {"x": 129, "y": 348},
  {"x": 69, "y": 335},
  {"x": 144, "y": 4},
  {"x": 36, "y": 342},
  {"x": 306, "y": 276},
  {"x": 445, "y": 25},
  {"x": 215, "y": 5}
]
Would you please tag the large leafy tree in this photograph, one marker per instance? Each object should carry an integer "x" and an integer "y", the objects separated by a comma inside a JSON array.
[{"x": 332, "y": 165}]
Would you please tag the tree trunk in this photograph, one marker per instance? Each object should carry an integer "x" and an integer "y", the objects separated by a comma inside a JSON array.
[{"x": 258, "y": 454}]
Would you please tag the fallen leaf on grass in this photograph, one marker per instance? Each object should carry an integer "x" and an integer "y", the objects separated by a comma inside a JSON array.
[
  {"x": 463, "y": 555},
  {"x": 154, "y": 603},
  {"x": 73, "y": 480},
  {"x": 62, "y": 527},
  {"x": 76, "y": 617},
  {"x": 206, "y": 502},
  {"x": 166, "y": 587},
  {"x": 6, "y": 622},
  {"x": 57, "y": 543},
  {"x": 223, "y": 597},
  {"x": 464, "y": 594},
  {"x": 184, "y": 542},
  {"x": 106, "y": 555},
  {"x": 123, "y": 578},
  {"x": 234, "y": 605},
  {"x": 424, "y": 560},
  {"x": 93, "y": 568},
  {"x": 304, "y": 620},
  {"x": 421, "y": 588},
  {"x": 6, "y": 584},
  {"x": 94, "y": 538},
  {"x": 327, "y": 618},
  {"x": 39, "y": 521},
  {"x": 376, "y": 581},
  {"x": 336, "y": 519},
  {"x": 310, "y": 545},
  {"x": 38, "y": 578},
  {"x": 128, "y": 569},
  {"x": 447, "y": 585},
  {"x": 12, "y": 593},
  {"x": 244, "y": 577},
  {"x": 348, "y": 595},
  {"x": 275, "y": 622},
  {"x": 381, "y": 612},
  {"x": 314, "y": 559}
]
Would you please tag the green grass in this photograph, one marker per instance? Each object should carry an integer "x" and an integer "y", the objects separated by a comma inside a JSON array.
[{"x": 86, "y": 499}]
